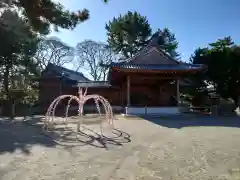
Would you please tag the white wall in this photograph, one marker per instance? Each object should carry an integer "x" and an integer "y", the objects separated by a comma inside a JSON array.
[
  {"x": 152, "y": 110},
  {"x": 94, "y": 108}
]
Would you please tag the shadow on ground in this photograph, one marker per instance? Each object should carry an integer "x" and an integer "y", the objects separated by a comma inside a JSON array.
[
  {"x": 101, "y": 141},
  {"x": 68, "y": 137},
  {"x": 22, "y": 135},
  {"x": 14, "y": 134},
  {"x": 181, "y": 121}
]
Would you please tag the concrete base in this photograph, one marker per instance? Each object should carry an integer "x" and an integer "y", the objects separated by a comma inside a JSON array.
[
  {"x": 129, "y": 115},
  {"x": 130, "y": 111}
]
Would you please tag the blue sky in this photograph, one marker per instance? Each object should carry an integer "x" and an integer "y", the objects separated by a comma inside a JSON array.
[{"x": 194, "y": 22}]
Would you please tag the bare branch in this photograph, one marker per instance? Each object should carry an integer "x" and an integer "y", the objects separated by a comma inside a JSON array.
[
  {"x": 90, "y": 55},
  {"x": 54, "y": 51}
]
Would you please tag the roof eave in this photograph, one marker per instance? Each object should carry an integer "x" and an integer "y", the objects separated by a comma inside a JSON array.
[
  {"x": 93, "y": 84},
  {"x": 156, "y": 70}
]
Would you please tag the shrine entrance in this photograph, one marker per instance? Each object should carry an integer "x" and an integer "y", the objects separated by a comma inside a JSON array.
[{"x": 151, "y": 95}]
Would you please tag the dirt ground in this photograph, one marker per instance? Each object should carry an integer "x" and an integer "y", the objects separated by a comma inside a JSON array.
[{"x": 180, "y": 147}]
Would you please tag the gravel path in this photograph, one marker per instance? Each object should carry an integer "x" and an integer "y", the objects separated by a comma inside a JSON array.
[{"x": 170, "y": 148}]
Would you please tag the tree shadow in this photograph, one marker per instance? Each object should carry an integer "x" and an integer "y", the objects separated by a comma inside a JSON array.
[
  {"x": 14, "y": 134},
  {"x": 181, "y": 121},
  {"x": 23, "y": 134}
]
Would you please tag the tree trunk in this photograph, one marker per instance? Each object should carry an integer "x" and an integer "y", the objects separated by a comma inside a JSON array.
[
  {"x": 6, "y": 79},
  {"x": 236, "y": 100},
  {"x": 13, "y": 109},
  {"x": 104, "y": 76},
  {"x": 6, "y": 89}
]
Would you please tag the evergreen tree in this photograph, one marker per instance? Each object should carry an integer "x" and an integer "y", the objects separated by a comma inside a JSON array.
[
  {"x": 129, "y": 33},
  {"x": 223, "y": 61},
  {"x": 40, "y": 14}
]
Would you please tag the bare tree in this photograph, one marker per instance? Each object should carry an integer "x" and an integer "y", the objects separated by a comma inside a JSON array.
[
  {"x": 91, "y": 54},
  {"x": 53, "y": 50}
]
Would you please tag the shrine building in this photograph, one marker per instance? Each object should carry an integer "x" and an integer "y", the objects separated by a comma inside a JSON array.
[{"x": 147, "y": 83}]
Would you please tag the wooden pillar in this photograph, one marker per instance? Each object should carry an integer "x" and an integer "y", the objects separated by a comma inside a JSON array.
[
  {"x": 60, "y": 86},
  {"x": 60, "y": 89},
  {"x": 128, "y": 91},
  {"x": 178, "y": 93},
  {"x": 121, "y": 97}
]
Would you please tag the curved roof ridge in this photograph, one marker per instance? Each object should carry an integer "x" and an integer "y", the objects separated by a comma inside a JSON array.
[
  {"x": 151, "y": 43},
  {"x": 68, "y": 73}
]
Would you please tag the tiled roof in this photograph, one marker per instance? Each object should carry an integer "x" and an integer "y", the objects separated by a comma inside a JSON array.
[
  {"x": 152, "y": 42},
  {"x": 77, "y": 79},
  {"x": 67, "y": 73},
  {"x": 94, "y": 84},
  {"x": 157, "y": 66}
]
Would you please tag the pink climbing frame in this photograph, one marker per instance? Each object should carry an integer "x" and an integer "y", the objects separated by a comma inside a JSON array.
[{"x": 81, "y": 99}]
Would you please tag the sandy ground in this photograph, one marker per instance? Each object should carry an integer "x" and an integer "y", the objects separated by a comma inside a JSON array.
[{"x": 156, "y": 148}]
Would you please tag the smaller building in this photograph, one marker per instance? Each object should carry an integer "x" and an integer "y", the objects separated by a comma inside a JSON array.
[{"x": 147, "y": 83}]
